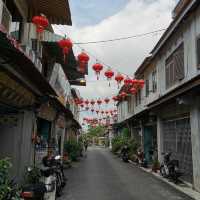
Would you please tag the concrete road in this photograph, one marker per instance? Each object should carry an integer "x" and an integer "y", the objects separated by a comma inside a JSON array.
[{"x": 103, "y": 176}]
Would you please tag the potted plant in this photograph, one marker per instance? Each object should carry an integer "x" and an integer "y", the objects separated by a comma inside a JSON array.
[
  {"x": 8, "y": 189},
  {"x": 155, "y": 166}
]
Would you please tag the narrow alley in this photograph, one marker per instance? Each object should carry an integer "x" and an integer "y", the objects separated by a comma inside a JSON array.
[{"x": 104, "y": 176}]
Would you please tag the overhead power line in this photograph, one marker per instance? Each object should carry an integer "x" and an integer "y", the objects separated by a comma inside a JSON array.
[
  {"x": 121, "y": 38},
  {"x": 109, "y": 40}
]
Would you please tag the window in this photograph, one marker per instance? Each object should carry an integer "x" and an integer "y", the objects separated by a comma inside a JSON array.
[
  {"x": 174, "y": 67},
  {"x": 154, "y": 81},
  {"x": 147, "y": 87},
  {"x": 138, "y": 97},
  {"x": 198, "y": 52},
  {"x": 130, "y": 104}
]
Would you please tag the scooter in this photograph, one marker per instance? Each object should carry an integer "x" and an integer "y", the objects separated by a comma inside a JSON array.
[
  {"x": 124, "y": 153},
  {"x": 35, "y": 190},
  {"x": 141, "y": 161},
  {"x": 56, "y": 166},
  {"x": 125, "y": 156},
  {"x": 170, "y": 168}
]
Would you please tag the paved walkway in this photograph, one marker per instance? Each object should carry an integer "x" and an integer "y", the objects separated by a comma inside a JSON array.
[{"x": 102, "y": 176}]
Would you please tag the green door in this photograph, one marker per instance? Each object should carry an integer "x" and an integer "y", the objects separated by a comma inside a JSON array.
[{"x": 148, "y": 143}]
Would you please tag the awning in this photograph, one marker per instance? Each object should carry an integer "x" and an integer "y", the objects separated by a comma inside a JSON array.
[
  {"x": 180, "y": 90},
  {"x": 76, "y": 124},
  {"x": 19, "y": 62},
  {"x": 60, "y": 107},
  {"x": 57, "y": 11}
]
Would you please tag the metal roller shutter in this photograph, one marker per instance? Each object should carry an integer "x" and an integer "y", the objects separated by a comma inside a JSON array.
[{"x": 177, "y": 138}]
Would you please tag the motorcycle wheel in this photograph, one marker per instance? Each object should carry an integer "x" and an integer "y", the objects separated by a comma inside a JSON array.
[
  {"x": 162, "y": 171},
  {"x": 58, "y": 185}
]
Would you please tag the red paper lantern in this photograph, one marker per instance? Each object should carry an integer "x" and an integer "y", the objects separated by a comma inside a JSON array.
[
  {"x": 92, "y": 102},
  {"x": 115, "y": 98},
  {"x": 86, "y": 102},
  {"x": 134, "y": 82},
  {"x": 65, "y": 44},
  {"x": 99, "y": 102},
  {"x": 133, "y": 91},
  {"x": 81, "y": 101},
  {"x": 76, "y": 101},
  {"x": 119, "y": 78},
  {"x": 107, "y": 100},
  {"x": 109, "y": 74},
  {"x": 83, "y": 59},
  {"x": 127, "y": 81},
  {"x": 140, "y": 84},
  {"x": 41, "y": 22},
  {"x": 123, "y": 95},
  {"x": 97, "y": 68}
]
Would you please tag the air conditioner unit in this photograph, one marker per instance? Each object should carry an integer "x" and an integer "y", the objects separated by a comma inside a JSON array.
[{"x": 6, "y": 18}]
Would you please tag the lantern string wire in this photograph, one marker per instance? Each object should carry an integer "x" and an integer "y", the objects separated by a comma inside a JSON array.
[
  {"x": 109, "y": 40},
  {"x": 115, "y": 39}
]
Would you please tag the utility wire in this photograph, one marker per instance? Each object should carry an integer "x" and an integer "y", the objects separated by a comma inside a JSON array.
[
  {"x": 109, "y": 40},
  {"x": 121, "y": 38}
]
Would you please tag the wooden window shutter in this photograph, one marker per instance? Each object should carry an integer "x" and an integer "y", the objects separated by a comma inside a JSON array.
[
  {"x": 179, "y": 71},
  {"x": 198, "y": 52},
  {"x": 147, "y": 87}
]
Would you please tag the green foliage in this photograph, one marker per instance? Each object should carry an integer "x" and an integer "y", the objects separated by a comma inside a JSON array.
[
  {"x": 8, "y": 191},
  {"x": 119, "y": 141},
  {"x": 98, "y": 131},
  {"x": 33, "y": 176},
  {"x": 126, "y": 133},
  {"x": 74, "y": 149}
]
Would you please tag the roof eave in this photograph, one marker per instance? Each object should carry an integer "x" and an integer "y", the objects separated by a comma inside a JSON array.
[{"x": 172, "y": 27}]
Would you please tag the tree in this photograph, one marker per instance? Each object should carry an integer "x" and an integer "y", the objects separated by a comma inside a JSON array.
[{"x": 98, "y": 131}]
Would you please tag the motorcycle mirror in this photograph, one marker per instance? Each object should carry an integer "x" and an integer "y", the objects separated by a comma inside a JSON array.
[
  {"x": 58, "y": 157},
  {"x": 29, "y": 169}
]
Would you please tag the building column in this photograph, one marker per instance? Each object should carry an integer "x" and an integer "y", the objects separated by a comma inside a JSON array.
[
  {"x": 195, "y": 137},
  {"x": 1, "y": 9},
  {"x": 159, "y": 138}
]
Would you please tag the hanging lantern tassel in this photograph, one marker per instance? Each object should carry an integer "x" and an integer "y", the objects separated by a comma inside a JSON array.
[{"x": 65, "y": 52}]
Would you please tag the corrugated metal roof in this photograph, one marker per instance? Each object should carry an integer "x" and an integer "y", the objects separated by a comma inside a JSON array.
[{"x": 57, "y": 11}]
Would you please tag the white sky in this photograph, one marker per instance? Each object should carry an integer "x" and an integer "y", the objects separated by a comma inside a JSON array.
[{"x": 138, "y": 16}]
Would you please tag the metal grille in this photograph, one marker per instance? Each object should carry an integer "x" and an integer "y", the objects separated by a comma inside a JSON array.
[{"x": 177, "y": 138}]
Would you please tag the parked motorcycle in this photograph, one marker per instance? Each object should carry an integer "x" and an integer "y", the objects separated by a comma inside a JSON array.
[
  {"x": 170, "y": 168},
  {"x": 35, "y": 190},
  {"x": 141, "y": 161},
  {"x": 55, "y": 164},
  {"x": 124, "y": 153}
]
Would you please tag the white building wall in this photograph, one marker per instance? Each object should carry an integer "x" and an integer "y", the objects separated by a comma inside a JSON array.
[
  {"x": 187, "y": 34},
  {"x": 1, "y": 9}
]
